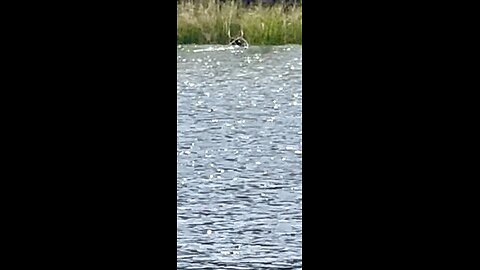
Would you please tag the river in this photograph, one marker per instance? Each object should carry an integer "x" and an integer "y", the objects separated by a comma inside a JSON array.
[{"x": 239, "y": 157}]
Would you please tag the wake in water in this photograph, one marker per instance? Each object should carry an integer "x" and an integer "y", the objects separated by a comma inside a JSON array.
[{"x": 217, "y": 48}]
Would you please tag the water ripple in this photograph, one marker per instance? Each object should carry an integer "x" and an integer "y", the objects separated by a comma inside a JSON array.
[{"x": 239, "y": 154}]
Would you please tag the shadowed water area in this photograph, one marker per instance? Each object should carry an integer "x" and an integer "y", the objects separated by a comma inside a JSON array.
[{"x": 239, "y": 157}]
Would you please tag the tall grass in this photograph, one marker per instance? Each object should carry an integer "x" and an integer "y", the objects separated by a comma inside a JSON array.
[{"x": 209, "y": 22}]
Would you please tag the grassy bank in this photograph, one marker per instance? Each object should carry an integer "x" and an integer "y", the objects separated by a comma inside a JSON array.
[{"x": 209, "y": 23}]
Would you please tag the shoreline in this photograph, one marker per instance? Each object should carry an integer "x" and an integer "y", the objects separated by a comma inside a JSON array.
[{"x": 209, "y": 22}]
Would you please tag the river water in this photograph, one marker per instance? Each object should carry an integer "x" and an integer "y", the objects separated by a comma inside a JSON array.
[{"x": 239, "y": 157}]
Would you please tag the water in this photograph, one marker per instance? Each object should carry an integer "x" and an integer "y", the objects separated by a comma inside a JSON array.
[{"x": 239, "y": 155}]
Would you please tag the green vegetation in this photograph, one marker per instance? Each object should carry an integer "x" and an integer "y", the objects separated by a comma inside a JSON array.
[{"x": 208, "y": 22}]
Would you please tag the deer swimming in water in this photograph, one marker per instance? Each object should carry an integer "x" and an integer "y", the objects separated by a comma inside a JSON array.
[{"x": 238, "y": 41}]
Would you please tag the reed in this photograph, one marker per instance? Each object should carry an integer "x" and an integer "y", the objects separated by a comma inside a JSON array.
[{"x": 211, "y": 22}]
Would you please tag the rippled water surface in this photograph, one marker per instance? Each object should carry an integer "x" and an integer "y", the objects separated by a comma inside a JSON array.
[{"x": 239, "y": 157}]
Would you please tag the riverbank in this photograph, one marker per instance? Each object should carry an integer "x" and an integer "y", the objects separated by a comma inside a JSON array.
[{"x": 211, "y": 23}]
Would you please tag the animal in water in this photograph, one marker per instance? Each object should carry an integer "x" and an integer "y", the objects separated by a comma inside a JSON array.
[{"x": 238, "y": 41}]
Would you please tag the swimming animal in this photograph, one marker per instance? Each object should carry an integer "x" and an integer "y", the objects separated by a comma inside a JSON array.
[{"x": 238, "y": 41}]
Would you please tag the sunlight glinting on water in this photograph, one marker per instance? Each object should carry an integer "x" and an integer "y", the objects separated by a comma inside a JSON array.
[{"x": 239, "y": 154}]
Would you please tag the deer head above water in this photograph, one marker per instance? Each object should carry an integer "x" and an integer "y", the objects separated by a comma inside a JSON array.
[{"x": 237, "y": 41}]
